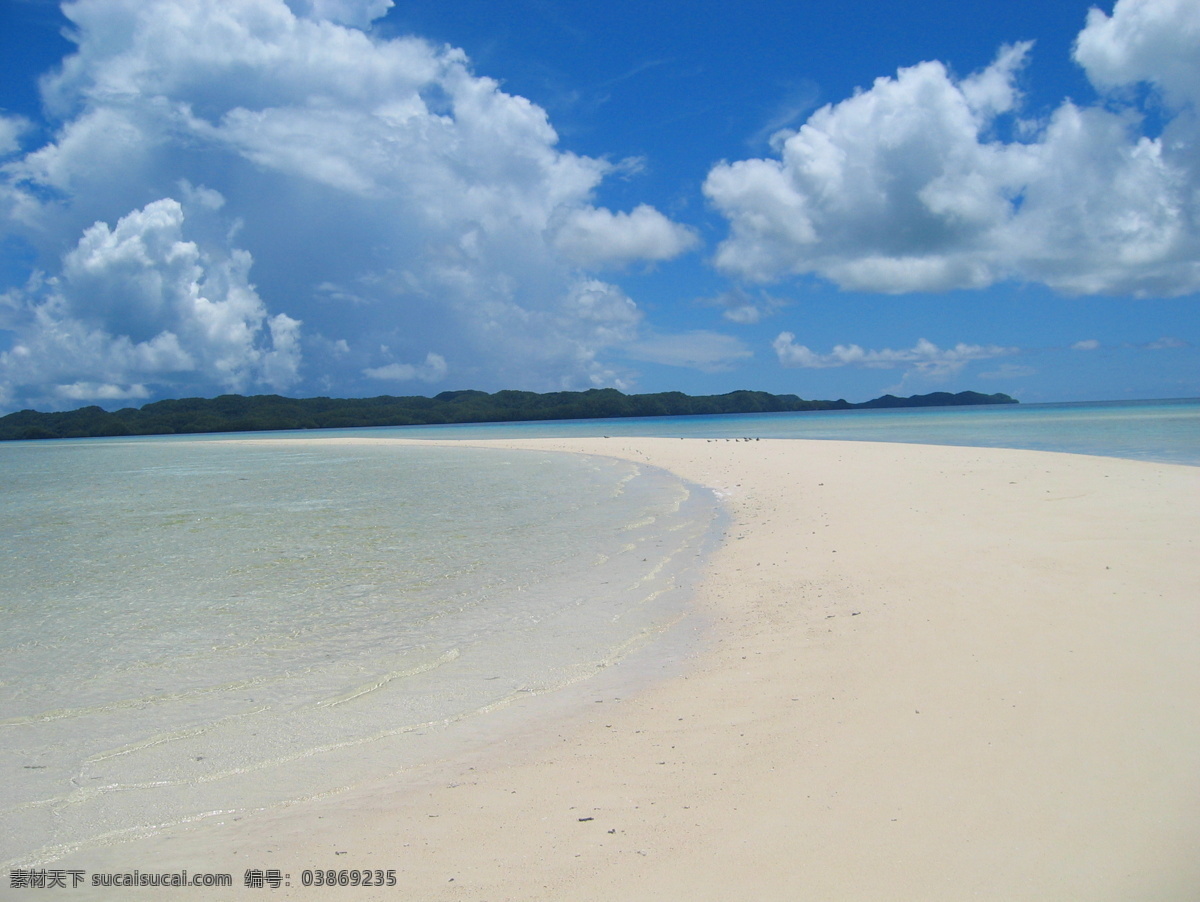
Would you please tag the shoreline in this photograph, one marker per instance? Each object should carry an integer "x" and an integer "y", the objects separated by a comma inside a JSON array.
[{"x": 933, "y": 673}]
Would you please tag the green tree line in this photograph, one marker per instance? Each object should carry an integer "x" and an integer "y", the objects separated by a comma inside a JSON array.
[{"x": 257, "y": 413}]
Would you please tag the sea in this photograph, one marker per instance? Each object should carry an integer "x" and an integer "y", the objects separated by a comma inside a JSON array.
[
  {"x": 192, "y": 627},
  {"x": 1165, "y": 431}
]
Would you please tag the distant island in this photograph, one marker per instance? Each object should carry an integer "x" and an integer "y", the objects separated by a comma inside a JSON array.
[{"x": 261, "y": 413}]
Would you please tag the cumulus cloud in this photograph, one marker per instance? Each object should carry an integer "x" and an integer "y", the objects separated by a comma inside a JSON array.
[
  {"x": 924, "y": 358},
  {"x": 907, "y": 187},
  {"x": 709, "y": 352},
  {"x": 385, "y": 192},
  {"x": 592, "y": 236},
  {"x": 1152, "y": 41},
  {"x": 139, "y": 301}
]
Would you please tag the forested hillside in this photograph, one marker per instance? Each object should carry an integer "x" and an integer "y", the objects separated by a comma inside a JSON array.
[{"x": 238, "y": 413}]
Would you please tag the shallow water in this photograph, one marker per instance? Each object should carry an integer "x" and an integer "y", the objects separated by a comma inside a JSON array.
[{"x": 193, "y": 626}]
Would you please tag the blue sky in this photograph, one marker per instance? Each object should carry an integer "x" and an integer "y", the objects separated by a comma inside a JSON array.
[{"x": 355, "y": 197}]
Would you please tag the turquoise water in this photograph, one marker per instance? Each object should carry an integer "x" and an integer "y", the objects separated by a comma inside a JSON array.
[
  {"x": 196, "y": 627},
  {"x": 1164, "y": 431}
]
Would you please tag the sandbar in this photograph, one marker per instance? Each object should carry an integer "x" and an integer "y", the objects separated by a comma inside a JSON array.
[{"x": 928, "y": 673}]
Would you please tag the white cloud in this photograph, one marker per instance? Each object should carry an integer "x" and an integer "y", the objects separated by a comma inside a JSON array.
[
  {"x": 745, "y": 315},
  {"x": 11, "y": 129},
  {"x": 592, "y": 237},
  {"x": 925, "y": 358},
  {"x": 432, "y": 370},
  {"x": 95, "y": 391},
  {"x": 1152, "y": 41},
  {"x": 890, "y": 190},
  {"x": 907, "y": 186},
  {"x": 604, "y": 313},
  {"x": 1088, "y": 344},
  {"x": 743, "y": 308},
  {"x": 198, "y": 195},
  {"x": 709, "y": 352},
  {"x": 138, "y": 302},
  {"x": 386, "y": 193}
]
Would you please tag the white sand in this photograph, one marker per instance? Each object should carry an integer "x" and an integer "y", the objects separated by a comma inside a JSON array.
[{"x": 934, "y": 674}]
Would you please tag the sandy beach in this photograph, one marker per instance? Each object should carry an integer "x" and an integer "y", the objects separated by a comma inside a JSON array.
[{"x": 929, "y": 673}]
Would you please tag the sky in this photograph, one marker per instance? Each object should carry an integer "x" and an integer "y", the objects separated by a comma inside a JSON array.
[{"x": 836, "y": 200}]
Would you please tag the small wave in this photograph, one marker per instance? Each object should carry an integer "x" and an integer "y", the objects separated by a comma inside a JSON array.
[
  {"x": 174, "y": 736},
  {"x": 141, "y": 702},
  {"x": 374, "y": 685},
  {"x": 641, "y": 523},
  {"x": 49, "y": 854}
]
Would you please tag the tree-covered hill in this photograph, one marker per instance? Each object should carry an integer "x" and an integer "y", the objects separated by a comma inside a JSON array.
[{"x": 238, "y": 413}]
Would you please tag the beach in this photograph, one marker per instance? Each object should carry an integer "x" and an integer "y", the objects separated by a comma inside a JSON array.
[{"x": 926, "y": 673}]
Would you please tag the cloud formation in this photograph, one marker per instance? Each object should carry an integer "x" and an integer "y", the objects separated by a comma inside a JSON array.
[
  {"x": 743, "y": 308},
  {"x": 907, "y": 186},
  {"x": 1152, "y": 41},
  {"x": 432, "y": 370},
  {"x": 924, "y": 358},
  {"x": 139, "y": 302},
  {"x": 11, "y": 129},
  {"x": 597, "y": 237},
  {"x": 391, "y": 207}
]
